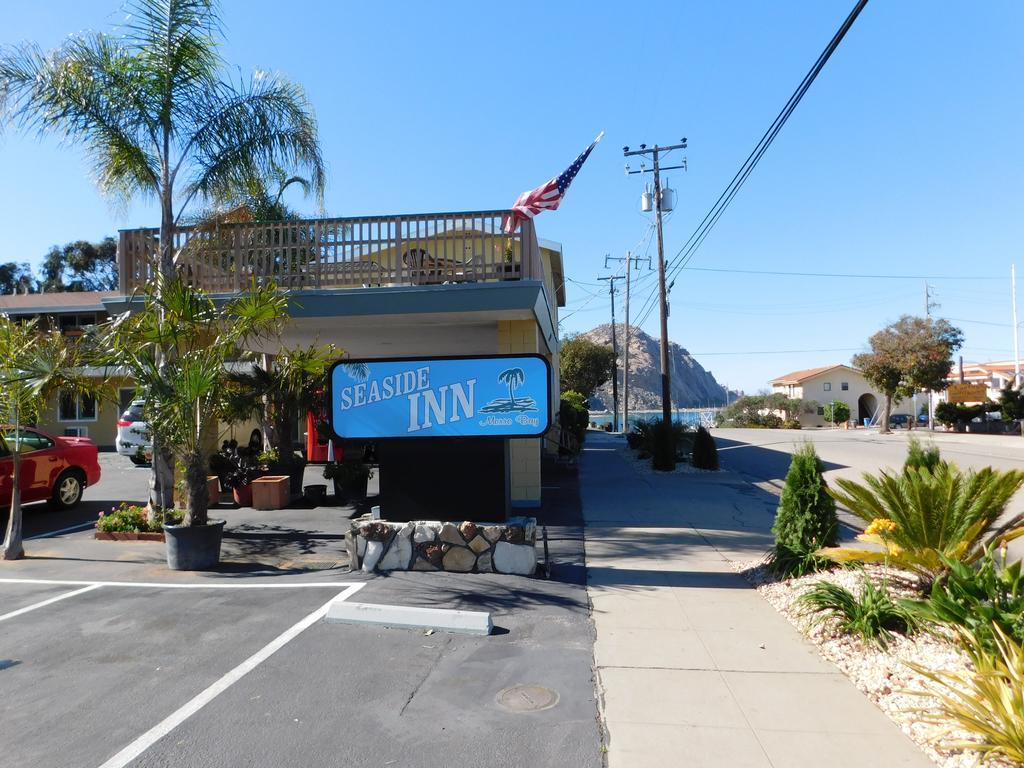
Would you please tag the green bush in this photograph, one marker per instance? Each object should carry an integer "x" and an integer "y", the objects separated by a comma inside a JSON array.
[
  {"x": 663, "y": 451},
  {"x": 705, "y": 452},
  {"x": 131, "y": 518},
  {"x": 644, "y": 434},
  {"x": 978, "y": 599},
  {"x": 918, "y": 517},
  {"x": 873, "y": 615},
  {"x": 837, "y": 412},
  {"x": 921, "y": 457},
  {"x": 806, "y": 518},
  {"x": 957, "y": 414},
  {"x": 574, "y": 415}
]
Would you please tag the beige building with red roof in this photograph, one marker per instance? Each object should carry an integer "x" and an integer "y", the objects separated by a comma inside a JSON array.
[{"x": 831, "y": 383}]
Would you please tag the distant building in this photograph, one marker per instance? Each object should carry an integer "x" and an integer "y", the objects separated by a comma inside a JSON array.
[
  {"x": 996, "y": 376},
  {"x": 836, "y": 383}
]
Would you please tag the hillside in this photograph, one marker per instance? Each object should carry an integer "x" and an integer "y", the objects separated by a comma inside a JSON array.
[{"x": 692, "y": 386}]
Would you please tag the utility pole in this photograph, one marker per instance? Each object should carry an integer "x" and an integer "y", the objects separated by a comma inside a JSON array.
[
  {"x": 655, "y": 153},
  {"x": 1016, "y": 335},
  {"x": 929, "y": 305},
  {"x": 615, "y": 354},
  {"x": 630, "y": 259}
]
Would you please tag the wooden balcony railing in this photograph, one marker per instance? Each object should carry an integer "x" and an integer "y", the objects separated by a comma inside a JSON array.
[{"x": 420, "y": 249}]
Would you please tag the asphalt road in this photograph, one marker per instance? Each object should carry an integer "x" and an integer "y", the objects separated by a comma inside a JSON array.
[
  {"x": 92, "y": 673},
  {"x": 763, "y": 455}
]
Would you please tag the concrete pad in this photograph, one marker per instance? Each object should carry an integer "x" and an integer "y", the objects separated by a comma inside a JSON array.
[
  {"x": 723, "y": 609},
  {"x": 669, "y": 697},
  {"x": 638, "y": 647},
  {"x": 645, "y": 744},
  {"x": 803, "y": 749},
  {"x": 768, "y": 649},
  {"x": 819, "y": 703},
  {"x": 657, "y": 610},
  {"x": 406, "y": 617}
]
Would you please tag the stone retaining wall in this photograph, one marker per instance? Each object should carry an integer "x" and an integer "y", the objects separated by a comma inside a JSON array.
[{"x": 465, "y": 547}]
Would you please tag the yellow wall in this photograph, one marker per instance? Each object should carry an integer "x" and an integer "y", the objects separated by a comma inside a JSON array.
[{"x": 517, "y": 337}]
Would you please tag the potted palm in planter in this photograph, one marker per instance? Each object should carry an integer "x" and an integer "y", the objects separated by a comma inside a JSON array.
[
  {"x": 291, "y": 387},
  {"x": 350, "y": 478},
  {"x": 177, "y": 349}
]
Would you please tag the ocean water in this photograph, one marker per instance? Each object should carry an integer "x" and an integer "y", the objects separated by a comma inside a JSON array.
[{"x": 690, "y": 418}]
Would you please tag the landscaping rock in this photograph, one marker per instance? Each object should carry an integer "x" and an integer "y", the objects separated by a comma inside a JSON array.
[
  {"x": 374, "y": 549},
  {"x": 424, "y": 534},
  {"x": 450, "y": 535},
  {"x": 479, "y": 544},
  {"x": 483, "y": 563},
  {"x": 515, "y": 558},
  {"x": 459, "y": 560},
  {"x": 492, "y": 533},
  {"x": 399, "y": 554}
]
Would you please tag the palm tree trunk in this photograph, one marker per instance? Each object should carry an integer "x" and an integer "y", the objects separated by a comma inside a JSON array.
[
  {"x": 511, "y": 397},
  {"x": 13, "y": 548},
  {"x": 198, "y": 491},
  {"x": 161, "y": 481}
]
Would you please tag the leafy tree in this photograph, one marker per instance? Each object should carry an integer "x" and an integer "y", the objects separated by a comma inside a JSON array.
[
  {"x": 585, "y": 365},
  {"x": 959, "y": 414},
  {"x": 16, "y": 278},
  {"x": 34, "y": 366},
  {"x": 156, "y": 113},
  {"x": 1011, "y": 403},
  {"x": 81, "y": 266},
  {"x": 806, "y": 518},
  {"x": 837, "y": 412},
  {"x": 912, "y": 354}
]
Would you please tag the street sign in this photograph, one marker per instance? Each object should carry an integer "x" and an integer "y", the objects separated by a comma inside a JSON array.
[
  {"x": 473, "y": 396},
  {"x": 967, "y": 393}
]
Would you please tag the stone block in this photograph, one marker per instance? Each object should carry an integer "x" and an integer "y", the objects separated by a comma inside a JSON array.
[
  {"x": 450, "y": 535},
  {"x": 422, "y": 565},
  {"x": 479, "y": 544},
  {"x": 468, "y": 530},
  {"x": 424, "y": 534},
  {"x": 374, "y": 549},
  {"x": 492, "y": 533},
  {"x": 515, "y": 558},
  {"x": 483, "y": 563},
  {"x": 399, "y": 554},
  {"x": 459, "y": 560}
]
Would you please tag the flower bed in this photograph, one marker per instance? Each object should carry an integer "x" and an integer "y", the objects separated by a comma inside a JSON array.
[
  {"x": 129, "y": 522},
  {"x": 881, "y": 673}
]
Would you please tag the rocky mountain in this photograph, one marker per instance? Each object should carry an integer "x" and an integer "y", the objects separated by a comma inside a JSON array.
[{"x": 692, "y": 386}]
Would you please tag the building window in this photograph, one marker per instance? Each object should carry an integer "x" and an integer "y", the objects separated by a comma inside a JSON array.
[
  {"x": 828, "y": 386},
  {"x": 844, "y": 386},
  {"x": 821, "y": 410},
  {"x": 76, "y": 407},
  {"x": 73, "y": 324}
]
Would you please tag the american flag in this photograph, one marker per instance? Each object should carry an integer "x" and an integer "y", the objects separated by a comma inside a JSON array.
[{"x": 549, "y": 195}]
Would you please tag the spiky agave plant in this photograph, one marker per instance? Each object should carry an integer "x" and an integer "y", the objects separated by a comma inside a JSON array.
[{"x": 918, "y": 516}]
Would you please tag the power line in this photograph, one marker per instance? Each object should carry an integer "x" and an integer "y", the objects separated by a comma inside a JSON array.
[
  {"x": 841, "y": 274},
  {"x": 711, "y": 218},
  {"x": 777, "y": 351}
]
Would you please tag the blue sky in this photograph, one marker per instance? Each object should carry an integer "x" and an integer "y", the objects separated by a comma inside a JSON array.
[{"x": 905, "y": 157}]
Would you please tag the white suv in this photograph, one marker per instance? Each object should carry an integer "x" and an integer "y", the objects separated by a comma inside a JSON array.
[{"x": 133, "y": 438}]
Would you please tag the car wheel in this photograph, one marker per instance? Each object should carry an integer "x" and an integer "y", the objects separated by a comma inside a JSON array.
[{"x": 67, "y": 491}]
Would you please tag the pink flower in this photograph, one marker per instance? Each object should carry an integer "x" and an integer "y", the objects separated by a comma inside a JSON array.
[{"x": 101, "y": 514}]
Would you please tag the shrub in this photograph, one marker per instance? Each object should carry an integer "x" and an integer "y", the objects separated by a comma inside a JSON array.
[
  {"x": 916, "y": 517},
  {"x": 643, "y": 436},
  {"x": 921, "y": 457},
  {"x": 874, "y": 615},
  {"x": 837, "y": 412},
  {"x": 573, "y": 414},
  {"x": 988, "y": 701},
  {"x": 806, "y": 518},
  {"x": 792, "y": 424},
  {"x": 127, "y": 518},
  {"x": 705, "y": 452},
  {"x": 663, "y": 450},
  {"x": 978, "y": 599}
]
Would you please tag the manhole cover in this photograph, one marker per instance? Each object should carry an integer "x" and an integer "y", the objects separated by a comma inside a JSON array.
[{"x": 527, "y": 698}]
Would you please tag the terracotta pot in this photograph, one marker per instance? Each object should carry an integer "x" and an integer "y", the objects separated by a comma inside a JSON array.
[{"x": 243, "y": 495}]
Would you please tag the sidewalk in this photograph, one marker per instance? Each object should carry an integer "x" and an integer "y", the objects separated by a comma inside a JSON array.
[{"x": 694, "y": 668}]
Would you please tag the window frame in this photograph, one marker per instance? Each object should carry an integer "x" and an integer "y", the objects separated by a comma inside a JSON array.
[
  {"x": 77, "y": 399},
  {"x": 827, "y": 386}
]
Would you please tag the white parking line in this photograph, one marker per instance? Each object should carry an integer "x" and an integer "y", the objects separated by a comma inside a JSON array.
[
  {"x": 174, "y": 585},
  {"x": 63, "y": 596},
  {"x": 69, "y": 529},
  {"x": 176, "y": 718}
]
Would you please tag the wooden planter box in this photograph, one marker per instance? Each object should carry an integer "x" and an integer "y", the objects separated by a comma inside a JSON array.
[
  {"x": 213, "y": 488},
  {"x": 129, "y": 536},
  {"x": 271, "y": 492}
]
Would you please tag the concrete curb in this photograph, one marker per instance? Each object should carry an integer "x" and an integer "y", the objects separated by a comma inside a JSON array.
[{"x": 406, "y": 617}]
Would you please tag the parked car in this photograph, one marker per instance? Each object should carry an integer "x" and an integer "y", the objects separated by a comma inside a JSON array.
[
  {"x": 899, "y": 420},
  {"x": 57, "y": 469},
  {"x": 133, "y": 436}
]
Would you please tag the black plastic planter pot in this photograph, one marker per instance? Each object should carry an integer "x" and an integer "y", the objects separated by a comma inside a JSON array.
[{"x": 193, "y": 547}]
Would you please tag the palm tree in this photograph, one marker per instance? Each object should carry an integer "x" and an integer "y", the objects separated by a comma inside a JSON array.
[
  {"x": 158, "y": 117},
  {"x": 513, "y": 377},
  {"x": 186, "y": 389},
  {"x": 36, "y": 366}
]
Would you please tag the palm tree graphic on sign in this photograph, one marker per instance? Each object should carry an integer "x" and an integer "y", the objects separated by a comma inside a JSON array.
[{"x": 513, "y": 378}]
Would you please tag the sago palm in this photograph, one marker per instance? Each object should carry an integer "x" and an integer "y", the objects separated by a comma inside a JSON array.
[
  {"x": 158, "y": 117},
  {"x": 917, "y": 516}
]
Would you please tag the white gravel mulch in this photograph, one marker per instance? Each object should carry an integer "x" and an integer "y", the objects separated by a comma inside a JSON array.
[{"x": 879, "y": 673}]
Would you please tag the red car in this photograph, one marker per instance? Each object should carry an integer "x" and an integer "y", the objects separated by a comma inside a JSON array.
[{"x": 53, "y": 468}]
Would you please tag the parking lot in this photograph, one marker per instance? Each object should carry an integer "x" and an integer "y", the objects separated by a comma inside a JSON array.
[{"x": 108, "y": 659}]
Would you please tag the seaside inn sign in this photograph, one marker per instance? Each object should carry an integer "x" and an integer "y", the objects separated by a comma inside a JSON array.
[{"x": 472, "y": 396}]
